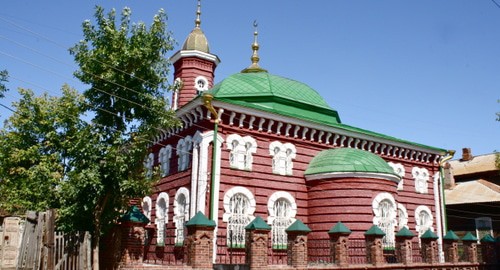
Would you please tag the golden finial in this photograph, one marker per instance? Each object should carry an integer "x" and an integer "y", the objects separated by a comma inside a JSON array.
[
  {"x": 254, "y": 67},
  {"x": 197, "y": 22}
]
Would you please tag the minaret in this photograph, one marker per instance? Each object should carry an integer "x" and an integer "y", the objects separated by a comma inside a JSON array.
[{"x": 194, "y": 66}]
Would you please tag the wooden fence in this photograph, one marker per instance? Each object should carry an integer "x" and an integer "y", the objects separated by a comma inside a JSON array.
[{"x": 45, "y": 249}]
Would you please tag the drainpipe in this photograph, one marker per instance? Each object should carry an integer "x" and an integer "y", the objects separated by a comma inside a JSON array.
[
  {"x": 207, "y": 101},
  {"x": 440, "y": 207}
]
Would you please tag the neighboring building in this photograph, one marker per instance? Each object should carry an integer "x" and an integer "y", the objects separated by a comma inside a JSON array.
[
  {"x": 282, "y": 153},
  {"x": 472, "y": 193}
]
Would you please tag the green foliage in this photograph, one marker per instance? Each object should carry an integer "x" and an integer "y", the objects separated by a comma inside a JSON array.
[
  {"x": 126, "y": 67},
  {"x": 3, "y": 78},
  {"x": 34, "y": 148}
]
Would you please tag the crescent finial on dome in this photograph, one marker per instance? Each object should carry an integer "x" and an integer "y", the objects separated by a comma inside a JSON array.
[{"x": 254, "y": 67}]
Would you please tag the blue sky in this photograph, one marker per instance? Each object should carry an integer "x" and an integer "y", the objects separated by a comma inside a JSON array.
[{"x": 426, "y": 71}]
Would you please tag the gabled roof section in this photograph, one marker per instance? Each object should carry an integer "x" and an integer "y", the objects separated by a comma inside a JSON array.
[
  {"x": 473, "y": 192},
  {"x": 275, "y": 94}
]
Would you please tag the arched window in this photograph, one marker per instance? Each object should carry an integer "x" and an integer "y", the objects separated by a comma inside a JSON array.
[
  {"x": 164, "y": 159},
  {"x": 423, "y": 219},
  {"x": 239, "y": 206},
  {"x": 161, "y": 218},
  {"x": 148, "y": 165},
  {"x": 146, "y": 206},
  {"x": 384, "y": 209},
  {"x": 242, "y": 149},
  {"x": 181, "y": 214},
  {"x": 282, "y": 210},
  {"x": 283, "y": 155},
  {"x": 402, "y": 217},
  {"x": 421, "y": 176},
  {"x": 184, "y": 147}
]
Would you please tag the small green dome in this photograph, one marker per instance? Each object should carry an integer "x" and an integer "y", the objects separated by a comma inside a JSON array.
[
  {"x": 275, "y": 94},
  {"x": 348, "y": 160},
  {"x": 196, "y": 41}
]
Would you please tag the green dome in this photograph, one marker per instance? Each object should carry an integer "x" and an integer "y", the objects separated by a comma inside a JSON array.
[
  {"x": 275, "y": 94},
  {"x": 348, "y": 160}
]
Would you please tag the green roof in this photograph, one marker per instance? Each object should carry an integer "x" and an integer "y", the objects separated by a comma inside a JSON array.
[
  {"x": 488, "y": 238},
  {"x": 429, "y": 235},
  {"x": 348, "y": 160},
  {"x": 200, "y": 220},
  {"x": 469, "y": 237},
  {"x": 275, "y": 94},
  {"x": 375, "y": 230},
  {"x": 258, "y": 224},
  {"x": 298, "y": 226},
  {"x": 339, "y": 228},
  {"x": 287, "y": 97},
  {"x": 451, "y": 236},
  {"x": 134, "y": 215},
  {"x": 405, "y": 233}
]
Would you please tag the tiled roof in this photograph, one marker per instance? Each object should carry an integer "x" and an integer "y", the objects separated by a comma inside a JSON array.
[{"x": 275, "y": 94}]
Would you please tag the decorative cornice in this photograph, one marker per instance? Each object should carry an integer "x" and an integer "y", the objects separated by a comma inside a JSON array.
[
  {"x": 255, "y": 120},
  {"x": 192, "y": 53}
]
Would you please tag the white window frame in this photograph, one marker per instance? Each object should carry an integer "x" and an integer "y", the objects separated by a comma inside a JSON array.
[
  {"x": 164, "y": 160},
  {"x": 242, "y": 150},
  {"x": 161, "y": 218},
  {"x": 419, "y": 227},
  {"x": 147, "y": 206},
  {"x": 399, "y": 169},
  {"x": 421, "y": 176},
  {"x": 180, "y": 218},
  {"x": 238, "y": 239},
  {"x": 389, "y": 239},
  {"x": 402, "y": 217},
  {"x": 283, "y": 155},
  {"x": 184, "y": 147},
  {"x": 278, "y": 234}
]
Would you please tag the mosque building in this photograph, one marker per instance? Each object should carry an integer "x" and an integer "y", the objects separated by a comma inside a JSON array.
[{"x": 258, "y": 144}]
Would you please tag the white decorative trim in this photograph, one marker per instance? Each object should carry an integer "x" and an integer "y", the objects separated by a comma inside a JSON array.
[
  {"x": 384, "y": 176},
  {"x": 184, "y": 147},
  {"x": 273, "y": 198},
  {"x": 242, "y": 149},
  {"x": 164, "y": 160},
  {"x": 282, "y": 154},
  {"x": 227, "y": 199},
  {"x": 147, "y": 206},
  {"x": 379, "y": 216},
  {"x": 180, "y": 218},
  {"x": 421, "y": 176},
  {"x": 399, "y": 169},
  {"x": 419, "y": 227},
  {"x": 193, "y": 53},
  {"x": 402, "y": 217},
  {"x": 161, "y": 219},
  {"x": 201, "y": 83}
]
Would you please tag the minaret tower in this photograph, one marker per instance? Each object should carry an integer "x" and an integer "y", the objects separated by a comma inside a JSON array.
[{"x": 194, "y": 66}]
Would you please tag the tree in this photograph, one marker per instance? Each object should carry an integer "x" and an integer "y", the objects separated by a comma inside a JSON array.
[
  {"x": 126, "y": 68},
  {"x": 34, "y": 149},
  {"x": 3, "y": 78}
]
